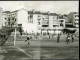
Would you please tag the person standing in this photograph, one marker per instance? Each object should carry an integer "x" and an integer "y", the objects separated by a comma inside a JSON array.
[
  {"x": 49, "y": 36},
  {"x": 72, "y": 36},
  {"x": 68, "y": 39},
  {"x": 28, "y": 40},
  {"x": 58, "y": 37}
]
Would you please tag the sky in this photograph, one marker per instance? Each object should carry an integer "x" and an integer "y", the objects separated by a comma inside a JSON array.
[{"x": 60, "y": 7}]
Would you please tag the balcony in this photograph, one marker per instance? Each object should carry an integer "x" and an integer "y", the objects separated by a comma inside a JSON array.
[
  {"x": 76, "y": 21},
  {"x": 44, "y": 23},
  {"x": 76, "y": 17},
  {"x": 45, "y": 20},
  {"x": 55, "y": 22},
  {"x": 77, "y": 25}
]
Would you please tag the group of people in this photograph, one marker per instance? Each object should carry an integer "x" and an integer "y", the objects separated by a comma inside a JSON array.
[{"x": 68, "y": 38}]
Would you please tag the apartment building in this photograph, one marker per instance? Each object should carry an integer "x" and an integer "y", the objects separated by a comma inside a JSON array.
[
  {"x": 32, "y": 21},
  {"x": 73, "y": 17},
  {"x": 53, "y": 20},
  {"x": 44, "y": 21},
  {"x": 15, "y": 18},
  {"x": 4, "y": 19}
]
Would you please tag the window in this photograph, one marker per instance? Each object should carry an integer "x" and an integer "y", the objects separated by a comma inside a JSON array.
[
  {"x": 12, "y": 18},
  {"x": 76, "y": 16},
  {"x": 5, "y": 18},
  {"x": 9, "y": 15},
  {"x": 8, "y": 23},
  {"x": 12, "y": 24},
  {"x": 76, "y": 20},
  {"x": 44, "y": 25},
  {"x": 13, "y": 14},
  {"x": 38, "y": 23},
  {"x": 76, "y": 23},
  {"x": 43, "y": 18},
  {"x": 54, "y": 25},
  {"x": 8, "y": 19},
  {"x": 61, "y": 21},
  {"x": 61, "y": 24},
  {"x": 39, "y": 19},
  {"x": 19, "y": 25},
  {"x": 15, "y": 19},
  {"x": 31, "y": 16},
  {"x": 39, "y": 16}
]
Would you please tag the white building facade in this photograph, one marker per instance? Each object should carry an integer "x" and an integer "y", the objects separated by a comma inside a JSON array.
[
  {"x": 15, "y": 18},
  {"x": 44, "y": 21},
  {"x": 76, "y": 20},
  {"x": 33, "y": 21}
]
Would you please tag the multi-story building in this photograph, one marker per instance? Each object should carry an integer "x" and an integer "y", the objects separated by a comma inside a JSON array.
[
  {"x": 4, "y": 18},
  {"x": 45, "y": 21},
  {"x": 53, "y": 20},
  {"x": 16, "y": 18},
  {"x": 33, "y": 21},
  {"x": 73, "y": 17}
]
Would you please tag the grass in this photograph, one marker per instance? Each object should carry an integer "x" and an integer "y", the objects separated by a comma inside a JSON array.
[
  {"x": 47, "y": 49},
  {"x": 60, "y": 53}
]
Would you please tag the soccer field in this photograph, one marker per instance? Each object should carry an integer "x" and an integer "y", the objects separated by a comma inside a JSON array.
[{"x": 41, "y": 49}]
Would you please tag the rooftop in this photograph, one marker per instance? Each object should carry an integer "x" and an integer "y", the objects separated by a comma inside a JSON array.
[
  {"x": 43, "y": 13},
  {"x": 74, "y": 12},
  {"x": 6, "y": 12}
]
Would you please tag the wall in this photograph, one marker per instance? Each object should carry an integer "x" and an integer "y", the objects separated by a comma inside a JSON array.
[
  {"x": 4, "y": 19},
  {"x": 50, "y": 21},
  {"x": 70, "y": 17},
  {"x": 22, "y": 18},
  {"x": 76, "y": 20}
]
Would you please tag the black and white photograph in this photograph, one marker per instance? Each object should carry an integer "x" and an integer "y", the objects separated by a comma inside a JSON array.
[{"x": 39, "y": 30}]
